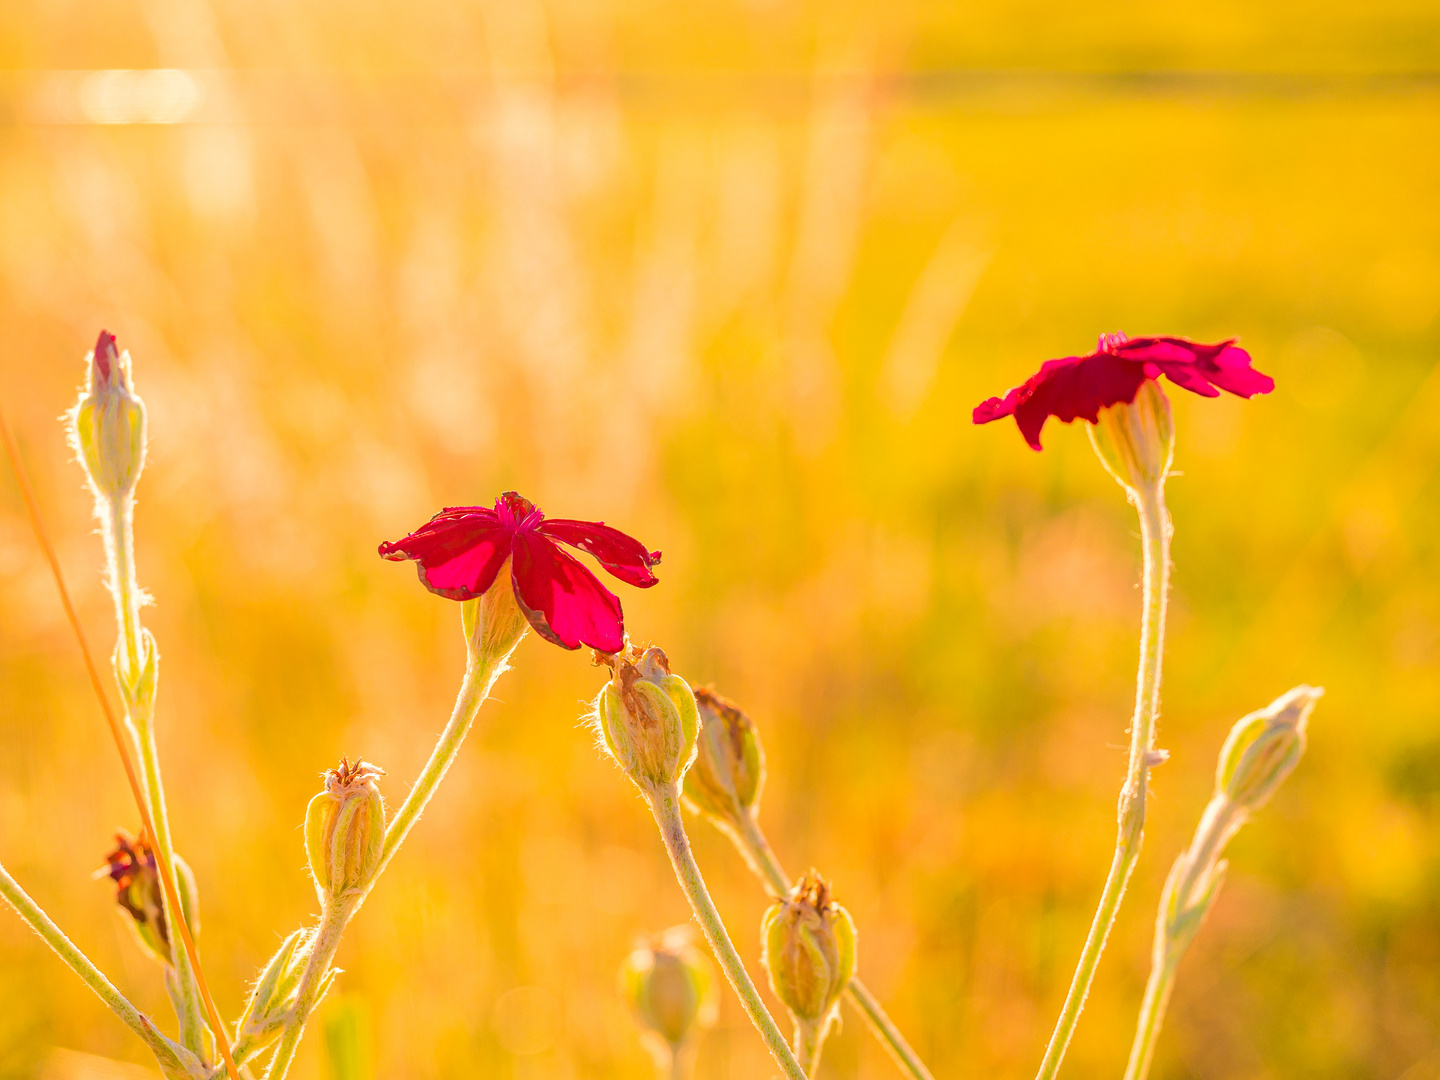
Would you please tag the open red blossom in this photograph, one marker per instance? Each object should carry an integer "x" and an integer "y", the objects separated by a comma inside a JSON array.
[
  {"x": 461, "y": 549},
  {"x": 1080, "y": 386}
]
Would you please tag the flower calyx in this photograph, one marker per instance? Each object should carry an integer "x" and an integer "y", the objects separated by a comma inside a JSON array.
[
  {"x": 1263, "y": 748},
  {"x": 669, "y": 984},
  {"x": 345, "y": 831},
  {"x": 107, "y": 424},
  {"x": 1135, "y": 440},
  {"x": 647, "y": 718},
  {"x": 729, "y": 769},
  {"x": 809, "y": 944}
]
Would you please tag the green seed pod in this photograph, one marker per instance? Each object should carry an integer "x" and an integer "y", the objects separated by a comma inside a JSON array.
[
  {"x": 648, "y": 720},
  {"x": 345, "y": 830},
  {"x": 1136, "y": 442},
  {"x": 107, "y": 425},
  {"x": 1263, "y": 748},
  {"x": 135, "y": 872},
  {"x": 809, "y": 950},
  {"x": 729, "y": 769},
  {"x": 670, "y": 985}
]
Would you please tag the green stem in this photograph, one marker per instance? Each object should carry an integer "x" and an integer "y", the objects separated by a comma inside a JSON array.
[
  {"x": 808, "y": 1043},
  {"x": 751, "y": 841},
  {"x": 1152, "y": 1015},
  {"x": 81, "y": 964},
  {"x": 1155, "y": 545},
  {"x": 481, "y": 671},
  {"x": 120, "y": 553},
  {"x": 665, "y": 803},
  {"x": 322, "y": 951}
]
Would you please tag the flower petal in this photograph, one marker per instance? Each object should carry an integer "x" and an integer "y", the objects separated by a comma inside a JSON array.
[
  {"x": 564, "y": 602},
  {"x": 1071, "y": 387},
  {"x": 623, "y": 556},
  {"x": 459, "y": 551}
]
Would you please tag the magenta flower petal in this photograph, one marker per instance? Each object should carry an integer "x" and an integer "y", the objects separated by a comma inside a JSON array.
[
  {"x": 564, "y": 602},
  {"x": 623, "y": 556},
  {"x": 1080, "y": 386},
  {"x": 458, "y": 552}
]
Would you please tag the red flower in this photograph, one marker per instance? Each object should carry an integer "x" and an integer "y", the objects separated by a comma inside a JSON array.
[
  {"x": 1083, "y": 385},
  {"x": 461, "y": 549}
]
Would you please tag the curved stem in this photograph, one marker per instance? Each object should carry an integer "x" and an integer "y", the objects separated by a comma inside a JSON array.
[
  {"x": 322, "y": 951},
  {"x": 481, "y": 671},
  {"x": 1152, "y": 1015},
  {"x": 665, "y": 804},
  {"x": 745, "y": 831},
  {"x": 1155, "y": 545},
  {"x": 81, "y": 964}
]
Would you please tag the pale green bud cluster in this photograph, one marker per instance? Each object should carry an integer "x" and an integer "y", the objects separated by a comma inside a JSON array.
[
  {"x": 139, "y": 686},
  {"x": 107, "y": 424},
  {"x": 273, "y": 998},
  {"x": 1136, "y": 441},
  {"x": 648, "y": 720},
  {"x": 670, "y": 985},
  {"x": 809, "y": 950},
  {"x": 1263, "y": 748},
  {"x": 345, "y": 831},
  {"x": 729, "y": 768}
]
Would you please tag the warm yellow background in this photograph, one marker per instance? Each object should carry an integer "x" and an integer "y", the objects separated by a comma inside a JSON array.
[{"x": 731, "y": 276}]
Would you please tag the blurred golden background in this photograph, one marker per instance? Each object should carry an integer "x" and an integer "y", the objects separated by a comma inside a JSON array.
[{"x": 730, "y": 276}]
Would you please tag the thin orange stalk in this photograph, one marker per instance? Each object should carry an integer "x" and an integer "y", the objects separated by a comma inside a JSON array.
[{"x": 172, "y": 900}]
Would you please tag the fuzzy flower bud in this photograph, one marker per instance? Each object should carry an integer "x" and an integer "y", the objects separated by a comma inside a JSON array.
[
  {"x": 107, "y": 424},
  {"x": 1263, "y": 748},
  {"x": 670, "y": 985},
  {"x": 135, "y": 872},
  {"x": 1136, "y": 441},
  {"x": 345, "y": 831},
  {"x": 648, "y": 719},
  {"x": 273, "y": 997},
  {"x": 809, "y": 950},
  {"x": 729, "y": 768}
]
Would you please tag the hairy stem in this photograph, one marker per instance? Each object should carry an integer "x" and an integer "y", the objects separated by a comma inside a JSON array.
[
  {"x": 120, "y": 555},
  {"x": 322, "y": 951},
  {"x": 481, "y": 671},
  {"x": 81, "y": 964},
  {"x": 1152, "y": 1015},
  {"x": 1155, "y": 546},
  {"x": 757, "y": 852},
  {"x": 665, "y": 803}
]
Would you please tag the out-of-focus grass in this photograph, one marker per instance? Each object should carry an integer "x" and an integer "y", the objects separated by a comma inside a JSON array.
[{"x": 731, "y": 277}]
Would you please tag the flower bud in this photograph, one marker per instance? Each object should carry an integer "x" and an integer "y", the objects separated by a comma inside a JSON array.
[
  {"x": 273, "y": 997},
  {"x": 729, "y": 767},
  {"x": 1136, "y": 441},
  {"x": 493, "y": 624},
  {"x": 138, "y": 687},
  {"x": 648, "y": 719},
  {"x": 809, "y": 950},
  {"x": 670, "y": 985},
  {"x": 345, "y": 831},
  {"x": 138, "y": 890},
  {"x": 107, "y": 424},
  {"x": 1263, "y": 748}
]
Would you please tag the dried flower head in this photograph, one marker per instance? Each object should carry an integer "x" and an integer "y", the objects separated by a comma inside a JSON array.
[
  {"x": 809, "y": 950},
  {"x": 461, "y": 551},
  {"x": 729, "y": 769},
  {"x": 345, "y": 830},
  {"x": 134, "y": 870},
  {"x": 647, "y": 718}
]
